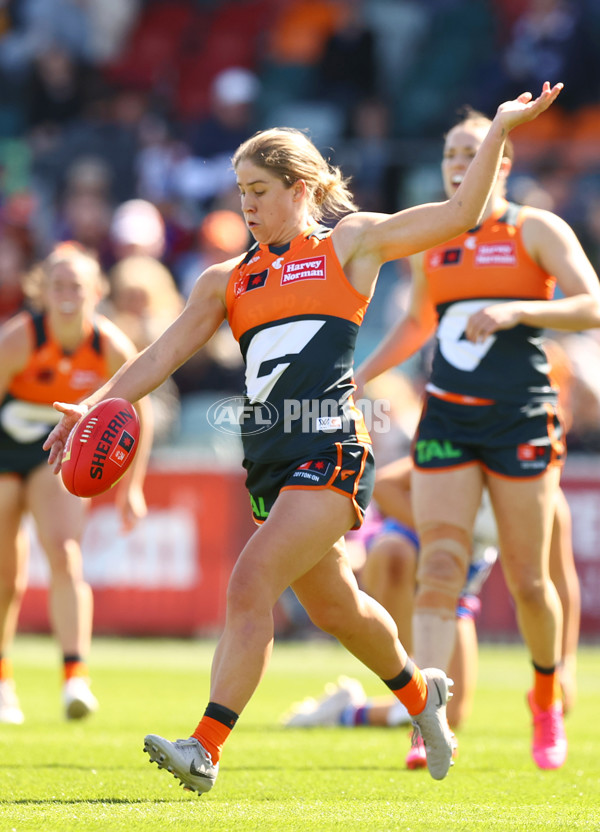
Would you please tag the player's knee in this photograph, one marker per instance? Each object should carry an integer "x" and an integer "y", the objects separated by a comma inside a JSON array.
[
  {"x": 443, "y": 565},
  {"x": 329, "y": 618},
  {"x": 64, "y": 559},
  {"x": 529, "y": 590},
  {"x": 394, "y": 560},
  {"x": 12, "y": 586},
  {"x": 243, "y": 595}
]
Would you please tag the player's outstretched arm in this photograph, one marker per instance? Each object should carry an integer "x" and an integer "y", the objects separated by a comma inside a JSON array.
[
  {"x": 367, "y": 238},
  {"x": 203, "y": 314}
]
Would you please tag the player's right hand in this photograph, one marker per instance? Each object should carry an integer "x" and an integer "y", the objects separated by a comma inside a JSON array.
[{"x": 57, "y": 438}]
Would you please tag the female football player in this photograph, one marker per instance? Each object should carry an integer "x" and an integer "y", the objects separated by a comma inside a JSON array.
[
  {"x": 295, "y": 302},
  {"x": 64, "y": 350}
]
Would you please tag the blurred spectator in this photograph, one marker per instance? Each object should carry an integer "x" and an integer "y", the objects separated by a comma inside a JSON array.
[
  {"x": 143, "y": 301},
  {"x": 218, "y": 366},
  {"x": 108, "y": 129},
  {"x": 17, "y": 218},
  {"x": 110, "y": 23},
  {"x": 347, "y": 69},
  {"x": 206, "y": 172},
  {"x": 589, "y": 228},
  {"x": 222, "y": 234},
  {"x": 549, "y": 39},
  {"x": 13, "y": 267},
  {"x": 88, "y": 175},
  {"x": 368, "y": 157},
  {"x": 295, "y": 44},
  {"x": 38, "y": 24},
  {"x": 85, "y": 218},
  {"x": 230, "y": 120},
  {"x": 137, "y": 227},
  {"x": 459, "y": 40},
  {"x": 56, "y": 91},
  {"x": 301, "y": 29},
  {"x": 159, "y": 154}
]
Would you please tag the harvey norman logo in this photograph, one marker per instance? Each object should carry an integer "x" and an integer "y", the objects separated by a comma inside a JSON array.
[
  {"x": 496, "y": 254},
  {"x": 313, "y": 269}
]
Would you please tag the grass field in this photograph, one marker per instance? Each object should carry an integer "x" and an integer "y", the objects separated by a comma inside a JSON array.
[{"x": 57, "y": 776}]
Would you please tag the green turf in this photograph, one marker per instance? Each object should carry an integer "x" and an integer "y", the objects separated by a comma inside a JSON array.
[{"x": 57, "y": 776}]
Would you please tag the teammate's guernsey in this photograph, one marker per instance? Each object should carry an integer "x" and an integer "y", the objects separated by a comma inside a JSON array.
[
  {"x": 296, "y": 317},
  {"x": 51, "y": 374},
  {"x": 481, "y": 267}
]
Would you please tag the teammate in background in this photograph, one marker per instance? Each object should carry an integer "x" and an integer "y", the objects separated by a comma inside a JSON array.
[
  {"x": 295, "y": 303},
  {"x": 389, "y": 575},
  {"x": 490, "y": 415},
  {"x": 65, "y": 351},
  {"x": 392, "y": 495}
]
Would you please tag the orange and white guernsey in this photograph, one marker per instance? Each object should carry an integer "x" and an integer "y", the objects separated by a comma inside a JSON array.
[
  {"x": 53, "y": 375},
  {"x": 482, "y": 267},
  {"x": 26, "y": 413},
  {"x": 296, "y": 317}
]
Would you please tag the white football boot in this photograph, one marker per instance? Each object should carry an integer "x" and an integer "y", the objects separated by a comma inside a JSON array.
[
  {"x": 432, "y": 723},
  {"x": 10, "y": 710},
  {"x": 78, "y": 699},
  {"x": 187, "y": 760}
]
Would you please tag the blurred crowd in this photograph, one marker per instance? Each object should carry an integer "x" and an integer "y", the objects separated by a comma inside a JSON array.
[{"x": 118, "y": 119}]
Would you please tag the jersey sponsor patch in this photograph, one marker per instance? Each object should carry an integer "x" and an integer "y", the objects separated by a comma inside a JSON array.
[
  {"x": 496, "y": 254},
  {"x": 447, "y": 257},
  {"x": 315, "y": 470},
  {"x": 253, "y": 281},
  {"x": 309, "y": 269},
  {"x": 327, "y": 423},
  {"x": 529, "y": 453}
]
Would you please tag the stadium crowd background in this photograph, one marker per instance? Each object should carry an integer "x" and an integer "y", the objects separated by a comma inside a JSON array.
[{"x": 118, "y": 119}]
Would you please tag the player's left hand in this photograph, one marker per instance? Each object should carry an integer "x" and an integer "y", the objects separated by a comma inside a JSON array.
[
  {"x": 131, "y": 505},
  {"x": 525, "y": 108},
  {"x": 490, "y": 319}
]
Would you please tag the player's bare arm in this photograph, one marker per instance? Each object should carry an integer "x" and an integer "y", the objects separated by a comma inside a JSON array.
[
  {"x": 129, "y": 493},
  {"x": 552, "y": 243},
  {"x": 140, "y": 375},
  {"x": 15, "y": 349},
  {"x": 364, "y": 239},
  {"x": 409, "y": 335}
]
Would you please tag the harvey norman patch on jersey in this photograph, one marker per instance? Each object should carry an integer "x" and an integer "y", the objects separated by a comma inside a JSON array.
[
  {"x": 313, "y": 269},
  {"x": 496, "y": 254}
]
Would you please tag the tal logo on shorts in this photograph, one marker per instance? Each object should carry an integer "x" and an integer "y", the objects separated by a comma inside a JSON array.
[{"x": 428, "y": 449}]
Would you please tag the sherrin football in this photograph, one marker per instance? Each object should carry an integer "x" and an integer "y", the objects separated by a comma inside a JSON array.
[{"x": 100, "y": 448}]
